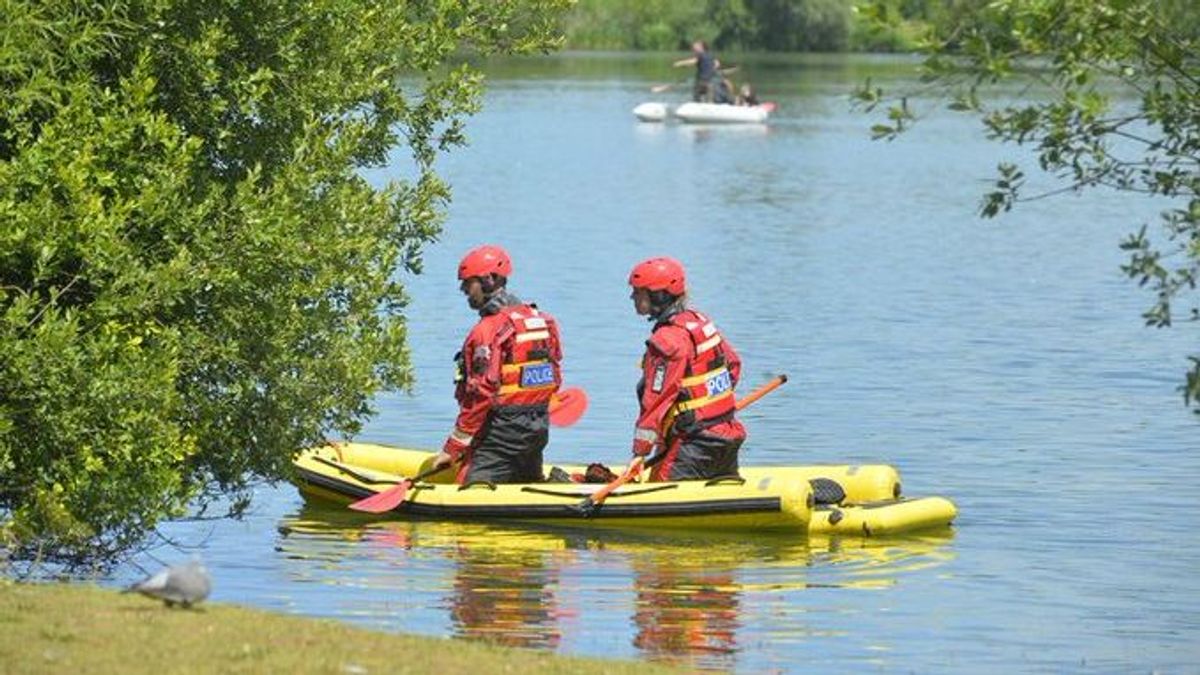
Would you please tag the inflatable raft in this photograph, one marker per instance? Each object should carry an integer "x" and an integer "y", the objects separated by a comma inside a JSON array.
[
  {"x": 720, "y": 113},
  {"x": 723, "y": 113},
  {"x": 834, "y": 499},
  {"x": 651, "y": 112}
]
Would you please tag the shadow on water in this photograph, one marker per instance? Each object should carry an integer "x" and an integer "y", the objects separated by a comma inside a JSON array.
[{"x": 683, "y": 598}]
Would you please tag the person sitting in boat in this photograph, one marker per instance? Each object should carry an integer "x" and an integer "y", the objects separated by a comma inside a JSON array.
[
  {"x": 746, "y": 95},
  {"x": 722, "y": 88},
  {"x": 689, "y": 371},
  {"x": 706, "y": 71},
  {"x": 507, "y": 371}
]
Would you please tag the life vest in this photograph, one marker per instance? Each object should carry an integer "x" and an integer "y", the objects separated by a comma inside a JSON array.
[
  {"x": 529, "y": 371},
  {"x": 706, "y": 391}
]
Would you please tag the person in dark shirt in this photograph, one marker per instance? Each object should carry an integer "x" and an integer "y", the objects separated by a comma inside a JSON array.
[{"x": 706, "y": 71}]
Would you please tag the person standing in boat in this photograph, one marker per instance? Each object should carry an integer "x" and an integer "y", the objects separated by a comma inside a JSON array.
[
  {"x": 689, "y": 371},
  {"x": 706, "y": 71},
  {"x": 507, "y": 371}
]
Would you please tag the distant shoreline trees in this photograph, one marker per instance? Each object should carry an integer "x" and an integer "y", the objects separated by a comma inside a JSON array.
[
  {"x": 780, "y": 25},
  {"x": 753, "y": 25}
]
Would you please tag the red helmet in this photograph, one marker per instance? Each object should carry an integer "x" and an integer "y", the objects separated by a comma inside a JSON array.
[
  {"x": 659, "y": 274},
  {"x": 485, "y": 260}
]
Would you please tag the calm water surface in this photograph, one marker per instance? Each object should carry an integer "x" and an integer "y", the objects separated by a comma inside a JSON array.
[{"x": 1000, "y": 363}]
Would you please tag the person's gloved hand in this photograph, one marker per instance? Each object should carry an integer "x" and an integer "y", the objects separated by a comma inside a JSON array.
[
  {"x": 443, "y": 458},
  {"x": 457, "y": 443},
  {"x": 642, "y": 447}
]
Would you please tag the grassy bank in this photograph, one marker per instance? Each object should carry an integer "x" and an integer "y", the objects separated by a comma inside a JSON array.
[{"x": 85, "y": 629}]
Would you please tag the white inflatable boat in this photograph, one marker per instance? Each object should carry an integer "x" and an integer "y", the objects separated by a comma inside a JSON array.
[
  {"x": 723, "y": 112},
  {"x": 651, "y": 112},
  {"x": 705, "y": 112}
]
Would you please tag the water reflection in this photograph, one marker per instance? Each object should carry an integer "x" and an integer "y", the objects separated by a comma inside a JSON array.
[
  {"x": 688, "y": 599},
  {"x": 686, "y": 613},
  {"x": 505, "y": 596},
  {"x": 702, "y": 133}
]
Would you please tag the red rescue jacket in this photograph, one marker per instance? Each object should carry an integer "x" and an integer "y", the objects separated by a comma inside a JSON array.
[
  {"x": 510, "y": 358},
  {"x": 689, "y": 371}
]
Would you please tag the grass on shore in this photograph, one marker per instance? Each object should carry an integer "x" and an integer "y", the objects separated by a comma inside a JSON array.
[{"x": 60, "y": 628}]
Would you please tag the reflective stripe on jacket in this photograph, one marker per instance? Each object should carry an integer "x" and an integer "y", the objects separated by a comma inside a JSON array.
[
  {"x": 706, "y": 390},
  {"x": 510, "y": 358},
  {"x": 530, "y": 372},
  {"x": 688, "y": 375}
]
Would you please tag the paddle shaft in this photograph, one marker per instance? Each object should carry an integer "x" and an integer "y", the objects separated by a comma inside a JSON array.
[
  {"x": 429, "y": 472},
  {"x": 394, "y": 496},
  {"x": 767, "y": 387},
  {"x": 771, "y": 385},
  {"x": 634, "y": 468},
  {"x": 659, "y": 88}
]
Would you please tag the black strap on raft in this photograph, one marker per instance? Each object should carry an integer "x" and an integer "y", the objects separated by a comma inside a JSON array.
[
  {"x": 478, "y": 483},
  {"x": 360, "y": 477},
  {"x": 827, "y": 491},
  {"x": 575, "y": 494},
  {"x": 731, "y": 478}
]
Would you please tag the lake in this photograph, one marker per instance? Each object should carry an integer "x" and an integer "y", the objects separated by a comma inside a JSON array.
[{"x": 1000, "y": 363}]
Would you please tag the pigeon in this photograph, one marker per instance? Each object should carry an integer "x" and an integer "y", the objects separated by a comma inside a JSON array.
[{"x": 185, "y": 584}]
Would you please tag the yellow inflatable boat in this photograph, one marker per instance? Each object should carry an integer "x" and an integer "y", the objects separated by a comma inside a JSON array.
[{"x": 858, "y": 500}]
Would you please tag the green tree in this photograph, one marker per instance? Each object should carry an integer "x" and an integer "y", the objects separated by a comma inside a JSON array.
[
  {"x": 771, "y": 25},
  {"x": 655, "y": 25},
  {"x": 898, "y": 25},
  {"x": 195, "y": 279},
  {"x": 1093, "y": 57},
  {"x": 801, "y": 25}
]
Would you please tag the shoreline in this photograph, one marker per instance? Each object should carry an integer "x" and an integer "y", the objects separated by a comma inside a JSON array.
[{"x": 76, "y": 628}]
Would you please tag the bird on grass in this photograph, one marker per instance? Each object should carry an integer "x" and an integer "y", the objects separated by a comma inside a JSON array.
[{"x": 183, "y": 585}]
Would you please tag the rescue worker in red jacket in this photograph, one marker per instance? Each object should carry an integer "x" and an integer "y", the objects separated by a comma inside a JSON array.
[
  {"x": 688, "y": 374},
  {"x": 507, "y": 372}
]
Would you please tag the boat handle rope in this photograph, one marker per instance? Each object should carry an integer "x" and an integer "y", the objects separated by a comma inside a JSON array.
[
  {"x": 577, "y": 495},
  {"x": 360, "y": 477}
]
